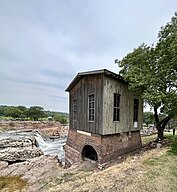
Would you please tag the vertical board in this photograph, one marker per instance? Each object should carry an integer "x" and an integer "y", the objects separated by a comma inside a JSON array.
[
  {"x": 111, "y": 86},
  {"x": 90, "y": 84},
  {"x": 103, "y": 87}
]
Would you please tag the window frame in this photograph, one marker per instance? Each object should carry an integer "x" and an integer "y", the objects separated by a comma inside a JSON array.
[
  {"x": 136, "y": 110},
  {"x": 116, "y": 107},
  {"x": 91, "y": 108},
  {"x": 74, "y": 109}
]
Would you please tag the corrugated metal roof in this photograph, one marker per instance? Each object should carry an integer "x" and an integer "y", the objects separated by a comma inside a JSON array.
[{"x": 101, "y": 71}]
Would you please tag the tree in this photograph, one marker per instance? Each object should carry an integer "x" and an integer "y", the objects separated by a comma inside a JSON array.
[
  {"x": 12, "y": 112},
  {"x": 35, "y": 112},
  {"x": 60, "y": 118},
  {"x": 23, "y": 111},
  {"x": 148, "y": 118},
  {"x": 22, "y": 108},
  {"x": 2, "y": 110},
  {"x": 152, "y": 73},
  {"x": 63, "y": 120}
]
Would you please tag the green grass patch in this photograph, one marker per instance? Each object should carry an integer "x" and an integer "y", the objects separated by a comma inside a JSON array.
[
  {"x": 156, "y": 161},
  {"x": 161, "y": 171},
  {"x": 12, "y": 183},
  {"x": 173, "y": 144},
  {"x": 171, "y": 141},
  {"x": 3, "y": 118}
]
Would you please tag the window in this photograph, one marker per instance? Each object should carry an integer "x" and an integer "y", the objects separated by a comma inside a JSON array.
[
  {"x": 116, "y": 114},
  {"x": 136, "y": 106},
  {"x": 75, "y": 110},
  {"x": 91, "y": 108}
]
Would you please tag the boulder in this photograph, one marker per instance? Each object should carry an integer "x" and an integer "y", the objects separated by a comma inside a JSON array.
[
  {"x": 37, "y": 171},
  {"x": 17, "y": 154},
  {"x": 16, "y": 142},
  {"x": 3, "y": 165}
]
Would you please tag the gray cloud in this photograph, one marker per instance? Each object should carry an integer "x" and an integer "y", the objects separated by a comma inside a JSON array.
[{"x": 44, "y": 44}]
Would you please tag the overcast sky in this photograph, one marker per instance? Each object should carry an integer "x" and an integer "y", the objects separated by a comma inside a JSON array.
[{"x": 44, "y": 44}]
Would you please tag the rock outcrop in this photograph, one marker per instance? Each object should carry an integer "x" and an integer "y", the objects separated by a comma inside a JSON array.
[
  {"x": 16, "y": 142},
  {"x": 29, "y": 124},
  {"x": 17, "y": 154},
  {"x": 36, "y": 171},
  {"x": 18, "y": 148}
]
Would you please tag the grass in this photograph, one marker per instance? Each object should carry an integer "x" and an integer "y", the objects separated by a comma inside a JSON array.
[
  {"x": 152, "y": 170},
  {"x": 11, "y": 183},
  {"x": 3, "y": 118},
  {"x": 157, "y": 160},
  {"x": 161, "y": 171},
  {"x": 172, "y": 150},
  {"x": 173, "y": 144}
]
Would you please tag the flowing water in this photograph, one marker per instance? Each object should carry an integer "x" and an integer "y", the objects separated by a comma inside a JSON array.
[
  {"x": 51, "y": 146},
  {"x": 48, "y": 146}
]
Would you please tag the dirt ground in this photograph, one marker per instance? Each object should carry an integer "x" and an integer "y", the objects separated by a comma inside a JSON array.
[
  {"x": 140, "y": 171},
  {"x": 144, "y": 170},
  {"x": 128, "y": 175}
]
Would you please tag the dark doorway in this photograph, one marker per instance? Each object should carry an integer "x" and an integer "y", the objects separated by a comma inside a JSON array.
[{"x": 89, "y": 152}]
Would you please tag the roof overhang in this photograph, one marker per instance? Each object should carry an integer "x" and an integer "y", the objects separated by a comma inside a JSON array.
[{"x": 102, "y": 71}]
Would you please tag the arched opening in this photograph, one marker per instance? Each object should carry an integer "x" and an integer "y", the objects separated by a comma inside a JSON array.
[{"x": 89, "y": 153}]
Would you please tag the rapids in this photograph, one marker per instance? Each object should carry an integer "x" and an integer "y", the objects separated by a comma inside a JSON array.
[{"x": 48, "y": 146}]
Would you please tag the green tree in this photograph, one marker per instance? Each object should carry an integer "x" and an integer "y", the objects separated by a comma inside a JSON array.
[
  {"x": 13, "y": 112},
  {"x": 57, "y": 117},
  {"x": 148, "y": 118},
  {"x": 23, "y": 111},
  {"x": 21, "y": 107},
  {"x": 60, "y": 118},
  {"x": 2, "y": 110},
  {"x": 152, "y": 72},
  {"x": 63, "y": 120},
  {"x": 35, "y": 113}
]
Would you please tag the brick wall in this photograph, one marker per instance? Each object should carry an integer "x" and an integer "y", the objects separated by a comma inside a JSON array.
[{"x": 107, "y": 147}]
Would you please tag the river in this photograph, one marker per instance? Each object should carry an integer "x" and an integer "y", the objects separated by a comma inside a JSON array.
[{"x": 48, "y": 146}]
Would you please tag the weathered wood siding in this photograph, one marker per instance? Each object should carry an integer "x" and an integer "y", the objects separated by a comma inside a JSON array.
[
  {"x": 111, "y": 86},
  {"x": 103, "y": 87},
  {"x": 92, "y": 84}
]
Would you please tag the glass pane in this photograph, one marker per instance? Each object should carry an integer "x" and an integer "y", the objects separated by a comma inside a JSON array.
[{"x": 136, "y": 106}]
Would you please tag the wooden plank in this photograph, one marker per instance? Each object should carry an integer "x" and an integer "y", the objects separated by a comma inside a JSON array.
[
  {"x": 125, "y": 124},
  {"x": 103, "y": 87}
]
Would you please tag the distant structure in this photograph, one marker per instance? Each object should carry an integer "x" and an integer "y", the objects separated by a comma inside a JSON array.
[{"x": 105, "y": 118}]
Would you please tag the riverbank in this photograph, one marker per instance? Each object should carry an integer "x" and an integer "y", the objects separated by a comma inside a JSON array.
[
  {"x": 35, "y": 173},
  {"x": 148, "y": 169},
  {"x": 27, "y": 160},
  {"x": 47, "y": 128}
]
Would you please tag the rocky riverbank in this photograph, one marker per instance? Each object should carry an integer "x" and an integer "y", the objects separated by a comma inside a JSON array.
[
  {"x": 37, "y": 172},
  {"x": 18, "y": 148},
  {"x": 47, "y": 128},
  {"x": 22, "y": 154},
  {"x": 28, "y": 158}
]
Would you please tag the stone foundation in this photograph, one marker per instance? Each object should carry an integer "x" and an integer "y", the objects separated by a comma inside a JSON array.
[{"x": 107, "y": 147}]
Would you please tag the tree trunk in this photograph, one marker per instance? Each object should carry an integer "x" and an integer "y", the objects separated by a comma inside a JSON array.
[
  {"x": 156, "y": 116},
  {"x": 173, "y": 131},
  {"x": 161, "y": 127},
  {"x": 160, "y": 133}
]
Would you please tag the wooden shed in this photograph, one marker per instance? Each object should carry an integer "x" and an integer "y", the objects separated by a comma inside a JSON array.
[{"x": 105, "y": 117}]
